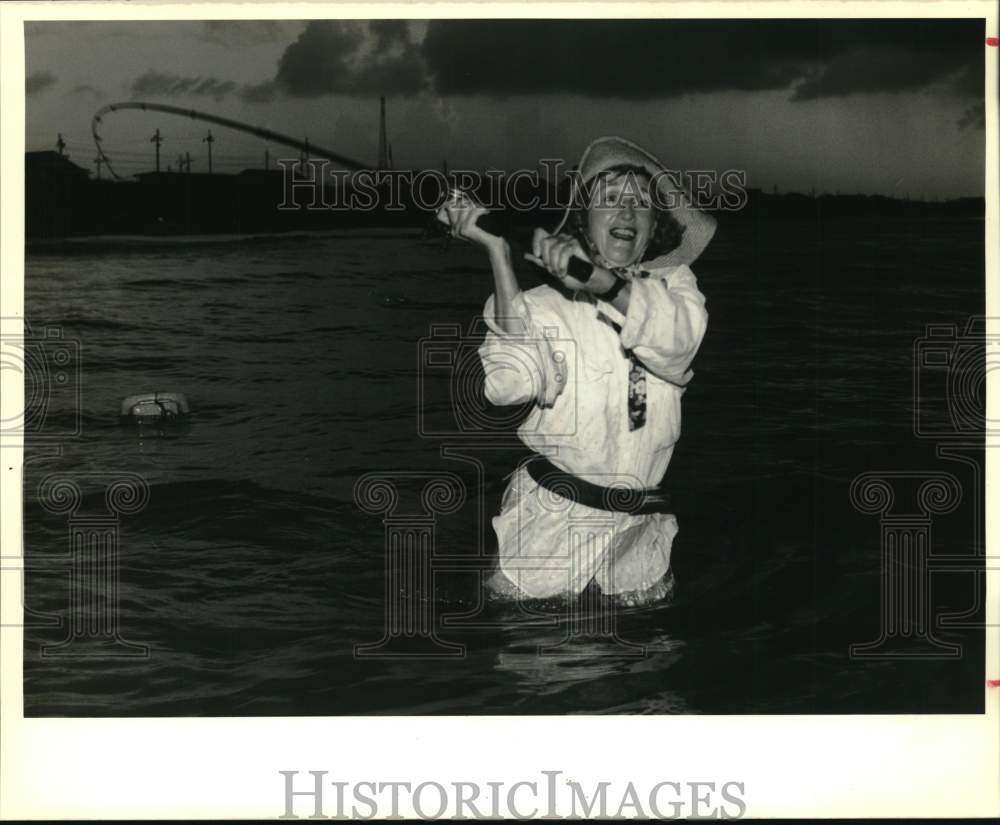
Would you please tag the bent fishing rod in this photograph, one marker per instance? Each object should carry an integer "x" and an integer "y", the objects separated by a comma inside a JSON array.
[{"x": 519, "y": 239}]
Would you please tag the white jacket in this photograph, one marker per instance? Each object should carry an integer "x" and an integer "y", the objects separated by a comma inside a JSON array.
[{"x": 571, "y": 361}]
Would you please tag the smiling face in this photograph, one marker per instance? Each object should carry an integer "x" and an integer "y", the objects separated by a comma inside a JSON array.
[{"x": 621, "y": 218}]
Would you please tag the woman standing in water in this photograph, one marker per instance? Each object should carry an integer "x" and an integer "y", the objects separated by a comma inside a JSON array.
[{"x": 606, "y": 361}]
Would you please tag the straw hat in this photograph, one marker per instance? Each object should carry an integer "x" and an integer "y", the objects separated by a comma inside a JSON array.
[{"x": 606, "y": 152}]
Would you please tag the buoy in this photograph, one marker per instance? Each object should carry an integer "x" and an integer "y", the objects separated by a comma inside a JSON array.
[{"x": 161, "y": 407}]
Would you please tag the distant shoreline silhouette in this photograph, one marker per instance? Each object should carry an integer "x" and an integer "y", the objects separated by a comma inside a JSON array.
[{"x": 63, "y": 200}]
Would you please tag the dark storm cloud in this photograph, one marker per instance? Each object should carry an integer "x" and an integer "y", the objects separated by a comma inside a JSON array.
[
  {"x": 890, "y": 68},
  {"x": 645, "y": 59},
  {"x": 171, "y": 85},
  {"x": 351, "y": 57},
  {"x": 38, "y": 82},
  {"x": 631, "y": 59}
]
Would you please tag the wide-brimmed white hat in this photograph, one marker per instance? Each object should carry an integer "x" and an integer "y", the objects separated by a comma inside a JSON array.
[{"x": 606, "y": 152}]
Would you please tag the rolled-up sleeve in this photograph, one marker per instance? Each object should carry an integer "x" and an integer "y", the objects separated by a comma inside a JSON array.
[
  {"x": 525, "y": 365},
  {"x": 665, "y": 323}
]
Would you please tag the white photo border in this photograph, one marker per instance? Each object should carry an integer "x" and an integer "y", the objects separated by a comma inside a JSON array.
[{"x": 792, "y": 766}]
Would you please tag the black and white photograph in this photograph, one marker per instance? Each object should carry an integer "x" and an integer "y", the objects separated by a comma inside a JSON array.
[{"x": 523, "y": 367}]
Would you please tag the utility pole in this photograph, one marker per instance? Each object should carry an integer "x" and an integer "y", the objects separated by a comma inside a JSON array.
[
  {"x": 209, "y": 140},
  {"x": 60, "y": 144},
  {"x": 187, "y": 162},
  {"x": 383, "y": 148},
  {"x": 304, "y": 159},
  {"x": 100, "y": 162},
  {"x": 267, "y": 161},
  {"x": 157, "y": 140}
]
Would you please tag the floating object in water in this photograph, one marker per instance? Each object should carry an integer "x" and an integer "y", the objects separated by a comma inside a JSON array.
[{"x": 159, "y": 407}]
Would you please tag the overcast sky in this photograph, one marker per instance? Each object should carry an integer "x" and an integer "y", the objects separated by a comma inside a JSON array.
[{"x": 876, "y": 106}]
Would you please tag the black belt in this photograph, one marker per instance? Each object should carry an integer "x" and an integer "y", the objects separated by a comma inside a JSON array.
[{"x": 615, "y": 499}]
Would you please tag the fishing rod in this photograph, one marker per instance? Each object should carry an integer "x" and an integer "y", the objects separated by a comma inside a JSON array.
[
  {"x": 518, "y": 238},
  {"x": 236, "y": 125}
]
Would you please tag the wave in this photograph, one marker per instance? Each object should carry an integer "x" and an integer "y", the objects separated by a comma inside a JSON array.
[{"x": 91, "y": 244}]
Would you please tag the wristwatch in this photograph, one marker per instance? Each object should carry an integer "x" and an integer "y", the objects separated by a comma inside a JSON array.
[{"x": 612, "y": 292}]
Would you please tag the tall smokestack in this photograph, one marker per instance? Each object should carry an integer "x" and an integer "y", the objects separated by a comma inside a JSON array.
[{"x": 383, "y": 145}]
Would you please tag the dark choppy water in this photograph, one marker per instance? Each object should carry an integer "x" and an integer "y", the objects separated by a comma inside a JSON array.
[{"x": 251, "y": 574}]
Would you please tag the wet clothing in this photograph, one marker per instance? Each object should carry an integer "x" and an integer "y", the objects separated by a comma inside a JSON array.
[{"x": 596, "y": 417}]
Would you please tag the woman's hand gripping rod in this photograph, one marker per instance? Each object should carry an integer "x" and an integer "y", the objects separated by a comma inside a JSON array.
[{"x": 518, "y": 239}]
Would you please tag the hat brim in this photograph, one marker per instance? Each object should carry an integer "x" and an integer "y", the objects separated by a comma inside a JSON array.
[{"x": 609, "y": 151}]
